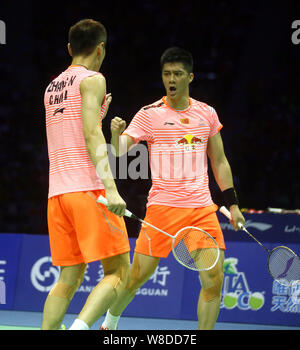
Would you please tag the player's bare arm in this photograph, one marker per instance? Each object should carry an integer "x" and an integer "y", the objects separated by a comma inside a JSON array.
[
  {"x": 222, "y": 173},
  {"x": 121, "y": 143},
  {"x": 92, "y": 90}
]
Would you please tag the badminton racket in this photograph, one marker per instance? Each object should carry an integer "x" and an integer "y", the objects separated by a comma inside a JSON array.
[
  {"x": 185, "y": 244},
  {"x": 283, "y": 263}
]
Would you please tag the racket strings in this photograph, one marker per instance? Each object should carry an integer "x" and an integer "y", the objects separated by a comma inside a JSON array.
[
  {"x": 195, "y": 249},
  {"x": 284, "y": 265}
]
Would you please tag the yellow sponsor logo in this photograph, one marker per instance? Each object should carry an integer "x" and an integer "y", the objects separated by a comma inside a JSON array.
[{"x": 189, "y": 142}]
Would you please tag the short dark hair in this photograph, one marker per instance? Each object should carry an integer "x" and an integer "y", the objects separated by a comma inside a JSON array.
[
  {"x": 85, "y": 35},
  {"x": 177, "y": 54}
]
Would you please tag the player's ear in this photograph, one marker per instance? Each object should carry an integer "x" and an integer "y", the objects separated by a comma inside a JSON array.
[
  {"x": 70, "y": 50},
  {"x": 100, "y": 48},
  {"x": 191, "y": 77}
]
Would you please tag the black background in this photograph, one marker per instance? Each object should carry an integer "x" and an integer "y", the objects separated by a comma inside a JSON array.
[{"x": 246, "y": 67}]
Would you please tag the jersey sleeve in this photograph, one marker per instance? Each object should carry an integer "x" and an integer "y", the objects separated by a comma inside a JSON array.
[
  {"x": 215, "y": 125},
  {"x": 140, "y": 128}
]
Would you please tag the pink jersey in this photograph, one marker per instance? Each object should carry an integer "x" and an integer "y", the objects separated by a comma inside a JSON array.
[
  {"x": 177, "y": 143},
  {"x": 70, "y": 167}
]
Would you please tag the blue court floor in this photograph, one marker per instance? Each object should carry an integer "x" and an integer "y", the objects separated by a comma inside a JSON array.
[{"x": 22, "y": 320}]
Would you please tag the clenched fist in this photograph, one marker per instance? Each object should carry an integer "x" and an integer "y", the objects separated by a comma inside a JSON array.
[{"x": 117, "y": 126}]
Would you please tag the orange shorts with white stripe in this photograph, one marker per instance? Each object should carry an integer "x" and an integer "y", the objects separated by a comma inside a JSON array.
[
  {"x": 82, "y": 230},
  {"x": 170, "y": 219}
]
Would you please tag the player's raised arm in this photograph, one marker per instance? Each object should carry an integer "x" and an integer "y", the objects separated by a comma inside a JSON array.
[
  {"x": 92, "y": 90},
  {"x": 121, "y": 143}
]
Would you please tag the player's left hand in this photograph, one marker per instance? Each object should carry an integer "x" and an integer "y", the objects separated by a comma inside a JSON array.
[{"x": 108, "y": 99}]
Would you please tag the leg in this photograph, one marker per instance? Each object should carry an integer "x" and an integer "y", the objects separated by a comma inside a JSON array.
[
  {"x": 116, "y": 272},
  {"x": 150, "y": 242},
  {"x": 143, "y": 267},
  {"x": 210, "y": 295},
  {"x": 61, "y": 294}
]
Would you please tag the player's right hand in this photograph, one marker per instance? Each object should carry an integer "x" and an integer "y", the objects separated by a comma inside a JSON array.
[
  {"x": 115, "y": 203},
  {"x": 237, "y": 217},
  {"x": 117, "y": 126}
]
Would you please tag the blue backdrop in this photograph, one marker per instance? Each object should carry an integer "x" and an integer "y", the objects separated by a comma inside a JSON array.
[{"x": 249, "y": 293}]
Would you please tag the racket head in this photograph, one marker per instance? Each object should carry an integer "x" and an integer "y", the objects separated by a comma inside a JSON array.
[
  {"x": 284, "y": 266},
  {"x": 195, "y": 249}
]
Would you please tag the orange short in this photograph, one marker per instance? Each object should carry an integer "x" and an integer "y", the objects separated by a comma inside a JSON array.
[
  {"x": 82, "y": 230},
  {"x": 169, "y": 219}
]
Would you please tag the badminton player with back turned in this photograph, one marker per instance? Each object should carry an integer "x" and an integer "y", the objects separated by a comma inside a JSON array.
[
  {"x": 180, "y": 132},
  {"x": 79, "y": 230}
]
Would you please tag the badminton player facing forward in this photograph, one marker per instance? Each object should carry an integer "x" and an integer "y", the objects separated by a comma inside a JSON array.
[
  {"x": 79, "y": 230},
  {"x": 180, "y": 132}
]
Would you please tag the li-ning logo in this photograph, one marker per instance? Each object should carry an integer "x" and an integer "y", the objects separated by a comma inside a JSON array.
[
  {"x": 59, "y": 110},
  {"x": 258, "y": 225},
  {"x": 153, "y": 106},
  {"x": 169, "y": 123},
  {"x": 2, "y": 33},
  {"x": 261, "y": 226}
]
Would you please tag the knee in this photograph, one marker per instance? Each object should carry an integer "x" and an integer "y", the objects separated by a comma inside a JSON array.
[
  {"x": 213, "y": 289},
  {"x": 137, "y": 278},
  {"x": 64, "y": 290},
  {"x": 123, "y": 273},
  {"x": 66, "y": 286},
  {"x": 117, "y": 277},
  {"x": 133, "y": 285}
]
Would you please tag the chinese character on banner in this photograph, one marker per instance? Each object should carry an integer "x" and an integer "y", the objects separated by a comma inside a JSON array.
[
  {"x": 279, "y": 288},
  {"x": 279, "y": 303},
  {"x": 160, "y": 275},
  {"x": 100, "y": 273},
  {"x": 286, "y": 298},
  {"x": 86, "y": 274},
  {"x": 2, "y": 269},
  {"x": 2, "y": 283}
]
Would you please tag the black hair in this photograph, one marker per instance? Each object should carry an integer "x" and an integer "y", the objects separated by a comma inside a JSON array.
[
  {"x": 85, "y": 35},
  {"x": 177, "y": 54}
]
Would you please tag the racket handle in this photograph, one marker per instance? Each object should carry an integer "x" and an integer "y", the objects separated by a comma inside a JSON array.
[
  {"x": 227, "y": 213},
  {"x": 103, "y": 200}
]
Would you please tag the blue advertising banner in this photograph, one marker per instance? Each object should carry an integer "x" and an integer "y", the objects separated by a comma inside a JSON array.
[
  {"x": 284, "y": 228},
  {"x": 249, "y": 293},
  {"x": 160, "y": 296},
  {"x": 36, "y": 274},
  {"x": 10, "y": 245}
]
